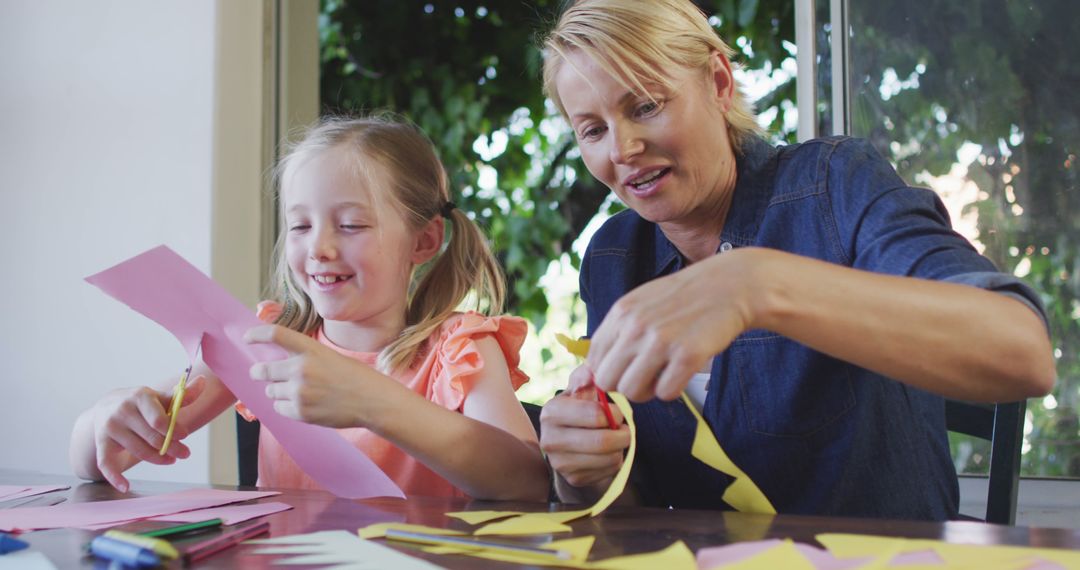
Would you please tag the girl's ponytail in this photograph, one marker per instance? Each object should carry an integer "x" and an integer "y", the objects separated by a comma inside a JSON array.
[{"x": 467, "y": 264}]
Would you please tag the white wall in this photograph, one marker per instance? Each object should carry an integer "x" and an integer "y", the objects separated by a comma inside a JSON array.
[{"x": 106, "y": 140}]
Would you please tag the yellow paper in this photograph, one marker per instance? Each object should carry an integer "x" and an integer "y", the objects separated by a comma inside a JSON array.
[
  {"x": 675, "y": 557},
  {"x": 523, "y": 525},
  {"x": 618, "y": 484},
  {"x": 378, "y": 530},
  {"x": 579, "y": 348},
  {"x": 783, "y": 555},
  {"x": 480, "y": 517},
  {"x": 743, "y": 494}
]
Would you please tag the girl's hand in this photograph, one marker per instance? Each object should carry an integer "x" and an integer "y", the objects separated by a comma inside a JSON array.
[
  {"x": 660, "y": 334},
  {"x": 315, "y": 384},
  {"x": 135, "y": 420},
  {"x": 575, "y": 436}
]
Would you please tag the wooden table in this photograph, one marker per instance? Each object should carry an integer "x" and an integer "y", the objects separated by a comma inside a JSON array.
[{"x": 619, "y": 531}]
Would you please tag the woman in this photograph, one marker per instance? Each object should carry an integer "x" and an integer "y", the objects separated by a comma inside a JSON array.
[{"x": 828, "y": 305}]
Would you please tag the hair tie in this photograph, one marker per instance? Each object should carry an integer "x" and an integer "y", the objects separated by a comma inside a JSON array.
[{"x": 447, "y": 208}]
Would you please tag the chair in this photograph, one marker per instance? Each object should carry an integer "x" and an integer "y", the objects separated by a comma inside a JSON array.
[
  {"x": 1003, "y": 425},
  {"x": 247, "y": 450},
  {"x": 247, "y": 444}
]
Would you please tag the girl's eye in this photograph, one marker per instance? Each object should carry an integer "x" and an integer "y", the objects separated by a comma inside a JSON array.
[
  {"x": 354, "y": 227},
  {"x": 299, "y": 227}
]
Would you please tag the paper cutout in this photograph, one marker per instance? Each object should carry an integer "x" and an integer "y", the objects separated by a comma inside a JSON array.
[
  {"x": 164, "y": 287},
  {"x": 229, "y": 515},
  {"x": 954, "y": 555},
  {"x": 743, "y": 494},
  {"x": 480, "y": 517},
  {"x": 675, "y": 557},
  {"x": 13, "y": 492},
  {"x": 120, "y": 510},
  {"x": 344, "y": 549},
  {"x": 783, "y": 555},
  {"x": 526, "y": 524}
]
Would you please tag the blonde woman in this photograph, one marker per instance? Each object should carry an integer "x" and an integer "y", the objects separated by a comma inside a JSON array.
[
  {"x": 377, "y": 350},
  {"x": 814, "y": 306}
]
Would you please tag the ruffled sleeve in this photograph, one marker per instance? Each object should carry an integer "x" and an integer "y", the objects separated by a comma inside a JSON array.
[
  {"x": 457, "y": 360},
  {"x": 267, "y": 312}
]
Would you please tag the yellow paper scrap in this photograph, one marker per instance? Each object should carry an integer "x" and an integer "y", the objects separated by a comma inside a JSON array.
[
  {"x": 743, "y": 494},
  {"x": 618, "y": 484},
  {"x": 783, "y": 555},
  {"x": 523, "y": 525},
  {"x": 480, "y": 517},
  {"x": 675, "y": 557},
  {"x": 579, "y": 348},
  {"x": 378, "y": 530}
]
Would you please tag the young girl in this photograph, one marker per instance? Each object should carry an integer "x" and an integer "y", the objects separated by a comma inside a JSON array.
[{"x": 424, "y": 391}]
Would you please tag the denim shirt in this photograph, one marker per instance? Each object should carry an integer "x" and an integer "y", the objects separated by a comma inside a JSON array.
[{"x": 818, "y": 435}]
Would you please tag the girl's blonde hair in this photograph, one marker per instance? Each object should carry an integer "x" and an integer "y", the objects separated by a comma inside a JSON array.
[
  {"x": 414, "y": 184},
  {"x": 637, "y": 41}
]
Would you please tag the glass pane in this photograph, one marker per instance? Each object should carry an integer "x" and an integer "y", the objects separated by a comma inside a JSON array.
[{"x": 977, "y": 99}]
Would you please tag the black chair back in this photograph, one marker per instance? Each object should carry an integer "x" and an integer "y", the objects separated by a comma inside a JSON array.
[{"x": 1003, "y": 426}]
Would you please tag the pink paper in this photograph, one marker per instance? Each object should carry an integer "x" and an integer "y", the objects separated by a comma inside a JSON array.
[
  {"x": 715, "y": 556},
  {"x": 164, "y": 287},
  {"x": 719, "y": 556},
  {"x": 928, "y": 556},
  {"x": 120, "y": 510},
  {"x": 228, "y": 515},
  {"x": 12, "y": 492}
]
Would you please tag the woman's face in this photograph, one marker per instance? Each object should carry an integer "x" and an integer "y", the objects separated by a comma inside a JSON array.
[{"x": 666, "y": 154}]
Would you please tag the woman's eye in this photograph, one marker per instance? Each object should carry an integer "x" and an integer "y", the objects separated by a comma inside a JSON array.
[
  {"x": 299, "y": 227},
  {"x": 592, "y": 132},
  {"x": 354, "y": 227},
  {"x": 648, "y": 108}
]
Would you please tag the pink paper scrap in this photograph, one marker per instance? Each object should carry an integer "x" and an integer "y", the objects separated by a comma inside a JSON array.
[
  {"x": 720, "y": 556},
  {"x": 120, "y": 510},
  {"x": 229, "y": 515},
  {"x": 164, "y": 287}
]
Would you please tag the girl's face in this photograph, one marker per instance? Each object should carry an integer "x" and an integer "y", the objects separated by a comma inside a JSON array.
[
  {"x": 665, "y": 156},
  {"x": 353, "y": 258}
]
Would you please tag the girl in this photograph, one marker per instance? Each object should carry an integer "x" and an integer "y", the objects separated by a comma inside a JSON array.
[{"x": 426, "y": 392}]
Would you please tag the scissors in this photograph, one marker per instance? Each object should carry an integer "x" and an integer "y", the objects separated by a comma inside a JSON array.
[
  {"x": 580, "y": 348},
  {"x": 175, "y": 403}
]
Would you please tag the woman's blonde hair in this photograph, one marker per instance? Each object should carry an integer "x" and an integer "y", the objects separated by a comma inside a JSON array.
[
  {"x": 413, "y": 183},
  {"x": 636, "y": 41}
]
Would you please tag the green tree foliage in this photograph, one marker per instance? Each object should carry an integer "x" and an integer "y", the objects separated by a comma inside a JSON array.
[{"x": 469, "y": 70}]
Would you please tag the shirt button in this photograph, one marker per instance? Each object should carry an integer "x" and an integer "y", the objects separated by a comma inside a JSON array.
[{"x": 725, "y": 246}]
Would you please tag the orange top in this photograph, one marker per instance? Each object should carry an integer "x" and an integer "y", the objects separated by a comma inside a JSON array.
[{"x": 444, "y": 375}]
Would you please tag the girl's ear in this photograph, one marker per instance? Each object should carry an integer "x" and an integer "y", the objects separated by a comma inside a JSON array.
[
  {"x": 429, "y": 240},
  {"x": 721, "y": 81}
]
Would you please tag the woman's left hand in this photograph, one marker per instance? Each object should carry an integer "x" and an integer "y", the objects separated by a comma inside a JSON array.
[
  {"x": 315, "y": 384},
  {"x": 660, "y": 334}
]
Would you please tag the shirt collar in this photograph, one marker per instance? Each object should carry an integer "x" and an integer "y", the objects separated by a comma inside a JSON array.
[{"x": 756, "y": 168}]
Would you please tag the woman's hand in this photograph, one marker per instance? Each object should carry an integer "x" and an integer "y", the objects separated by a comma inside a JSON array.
[
  {"x": 135, "y": 421},
  {"x": 575, "y": 436},
  {"x": 660, "y": 334},
  {"x": 315, "y": 384}
]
